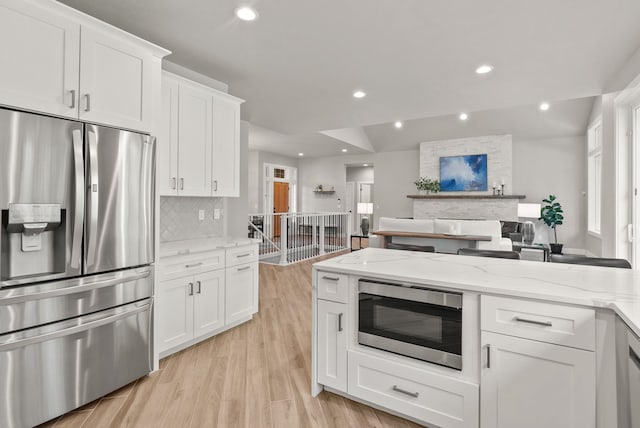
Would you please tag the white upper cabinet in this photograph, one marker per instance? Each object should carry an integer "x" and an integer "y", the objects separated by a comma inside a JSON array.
[
  {"x": 167, "y": 141},
  {"x": 194, "y": 139},
  {"x": 226, "y": 146},
  {"x": 115, "y": 81},
  {"x": 40, "y": 61},
  {"x": 199, "y": 142},
  {"x": 62, "y": 62}
]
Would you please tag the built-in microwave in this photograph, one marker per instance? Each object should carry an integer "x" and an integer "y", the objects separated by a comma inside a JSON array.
[{"x": 411, "y": 320}]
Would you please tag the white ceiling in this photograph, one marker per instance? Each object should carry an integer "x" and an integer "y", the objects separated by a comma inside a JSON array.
[{"x": 298, "y": 64}]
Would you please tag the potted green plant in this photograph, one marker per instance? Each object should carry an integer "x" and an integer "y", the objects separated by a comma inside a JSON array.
[
  {"x": 552, "y": 215},
  {"x": 426, "y": 185}
]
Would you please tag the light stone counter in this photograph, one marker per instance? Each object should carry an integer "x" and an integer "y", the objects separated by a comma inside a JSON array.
[
  {"x": 600, "y": 287},
  {"x": 191, "y": 246}
]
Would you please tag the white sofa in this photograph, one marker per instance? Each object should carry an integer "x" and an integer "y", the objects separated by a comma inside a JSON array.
[{"x": 490, "y": 228}]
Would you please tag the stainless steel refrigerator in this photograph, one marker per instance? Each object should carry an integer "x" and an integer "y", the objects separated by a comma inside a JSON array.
[{"x": 76, "y": 248}]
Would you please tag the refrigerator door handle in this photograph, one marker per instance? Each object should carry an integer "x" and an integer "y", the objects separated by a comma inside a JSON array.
[
  {"x": 78, "y": 163},
  {"x": 93, "y": 198}
]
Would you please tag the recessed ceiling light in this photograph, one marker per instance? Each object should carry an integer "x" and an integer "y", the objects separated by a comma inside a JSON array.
[
  {"x": 464, "y": 116},
  {"x": 359, "y": 94},
  {"x": 544, "y": 106},
  {"x": 398, "y": 124},
  {"x": 300, "y": 154},
  {"x": 484, "y": 69},
  {"x": 344, "y": 150},
  {"x": 365, "y": 164},
  {"x": 246, "y": 13}
]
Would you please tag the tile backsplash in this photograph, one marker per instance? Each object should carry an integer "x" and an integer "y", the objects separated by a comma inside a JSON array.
[{"x": 179, "y": 218}]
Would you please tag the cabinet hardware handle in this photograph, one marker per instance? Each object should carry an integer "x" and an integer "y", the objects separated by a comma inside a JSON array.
[
  {"x": 87, "y": 102},
  {"x": 174, "y": 183},
  {"x": 182, "y": 184},
  {"x": 340, "y": 321},
  {"x": 215, "y": 185},
  {"x": 199, "y": 284},
  {"x": 488, "y": 356},
  {"x": 191, "y": 289},
  {"x": 243, "y": 255},
  {"x": 193, "y": 265},
  {"x": 244, "y": 268},
  {"x": 634, "y": 357},
  {"x": 404, "y": 391},
  {"x": 73, "y": 98},
  {"x": 331, "y": 278},
  {"x": 528, "y": 321}
]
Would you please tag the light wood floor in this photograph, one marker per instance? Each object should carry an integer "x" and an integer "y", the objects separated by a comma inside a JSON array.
[{"x": 256, "y": 375}]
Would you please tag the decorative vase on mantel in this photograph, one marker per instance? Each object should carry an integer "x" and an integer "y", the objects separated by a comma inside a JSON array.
[{"x": 424, "y": 192}]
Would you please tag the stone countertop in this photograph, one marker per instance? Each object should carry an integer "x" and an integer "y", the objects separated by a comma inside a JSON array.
[
  {"x": 190, "y": 246},
  {"x": 598, "y": 287}
]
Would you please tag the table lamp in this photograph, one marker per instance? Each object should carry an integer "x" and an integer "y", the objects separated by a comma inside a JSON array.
[
  {"x": 365, "y": 208},
  {"x": 528, "y": 211}
]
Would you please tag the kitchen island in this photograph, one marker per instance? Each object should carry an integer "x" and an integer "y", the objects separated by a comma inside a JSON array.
[{"x": 537, "y": 341}]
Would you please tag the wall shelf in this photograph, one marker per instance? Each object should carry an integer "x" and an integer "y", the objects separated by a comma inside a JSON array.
[{"x": 324, "y": 192}]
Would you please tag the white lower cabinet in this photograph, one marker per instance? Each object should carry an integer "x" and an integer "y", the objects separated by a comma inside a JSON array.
[
  {"x": 332, "y": 344},
  {"x": 190, "y": 307},
  {"x": 427, "y": 396},
  {"x": 242, "y": 291},
  {"x": 531, "y": 384},
  {"x": 209, "y": 302},
  {"x": 175, "y": 307}
]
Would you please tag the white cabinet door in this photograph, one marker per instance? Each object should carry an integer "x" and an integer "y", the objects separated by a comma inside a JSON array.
[
  {"x": 226, "y": 146},
  {"x": 530, "y": 384},
  {"x": 194, "y": 139},
  {"x": 209, "y": 302},
  {"x": 175, "y": 313},
  {"x": 40, "y": 59},
  {"x": 115, "y": 81},
  {"x": 167, "y": 141},
  {"x": 241, "y": 292},
  {"x": 332, "y": 344}
]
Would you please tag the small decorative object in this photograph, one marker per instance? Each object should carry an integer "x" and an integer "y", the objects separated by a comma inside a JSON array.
[
  {"x": 528, "y": 211},
  {"x": 463, "y": 173},
  {"x": 319, "y": 188},
  {"x": 552, "y": 215},
  {"x": 427, "y": 185},
  {"x": 365, "y": 208}
]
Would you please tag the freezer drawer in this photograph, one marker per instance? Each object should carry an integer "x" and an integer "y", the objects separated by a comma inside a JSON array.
[
  {"x": 50, "y": 370},
  {"x": 38, "y": 304}
]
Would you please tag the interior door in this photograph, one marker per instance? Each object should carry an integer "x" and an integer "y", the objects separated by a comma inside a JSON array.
[
  {"x": 280, "y": 203},
  {"x": 120, "y": 199},
  {"x": 350, "y": 204}
]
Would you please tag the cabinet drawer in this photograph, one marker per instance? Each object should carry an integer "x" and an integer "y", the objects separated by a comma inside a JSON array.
[
  {"x": 429, "y": 397},
  {"x": 175, "y": 267},
  {"x": 241, "y": 255},
  {"x": 332, "y": 286},
  {"x": 545, "y": 322}
]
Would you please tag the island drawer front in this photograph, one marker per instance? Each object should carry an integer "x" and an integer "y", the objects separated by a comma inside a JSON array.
[
  {"x": 241, "y": 255},
  {"x": 428, "y": 397},
  {"x": 190, "y": 264},
  {"x": 332, "y": 286},
  {"x": 545, "y": 322}
]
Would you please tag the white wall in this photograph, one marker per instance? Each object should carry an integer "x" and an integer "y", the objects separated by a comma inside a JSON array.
[
  {"x": 555, "y": 166},
  {"x": 360, "y": 173},
  {"x": 395, "y": 173}
]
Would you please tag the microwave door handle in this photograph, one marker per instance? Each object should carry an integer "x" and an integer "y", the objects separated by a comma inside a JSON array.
[
  {"x": 76, "y": 240},
  {"x": 93, "y": 198}
]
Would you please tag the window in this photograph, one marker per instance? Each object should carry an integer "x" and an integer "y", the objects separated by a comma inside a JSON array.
[{"x": 594, "y": 176}]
